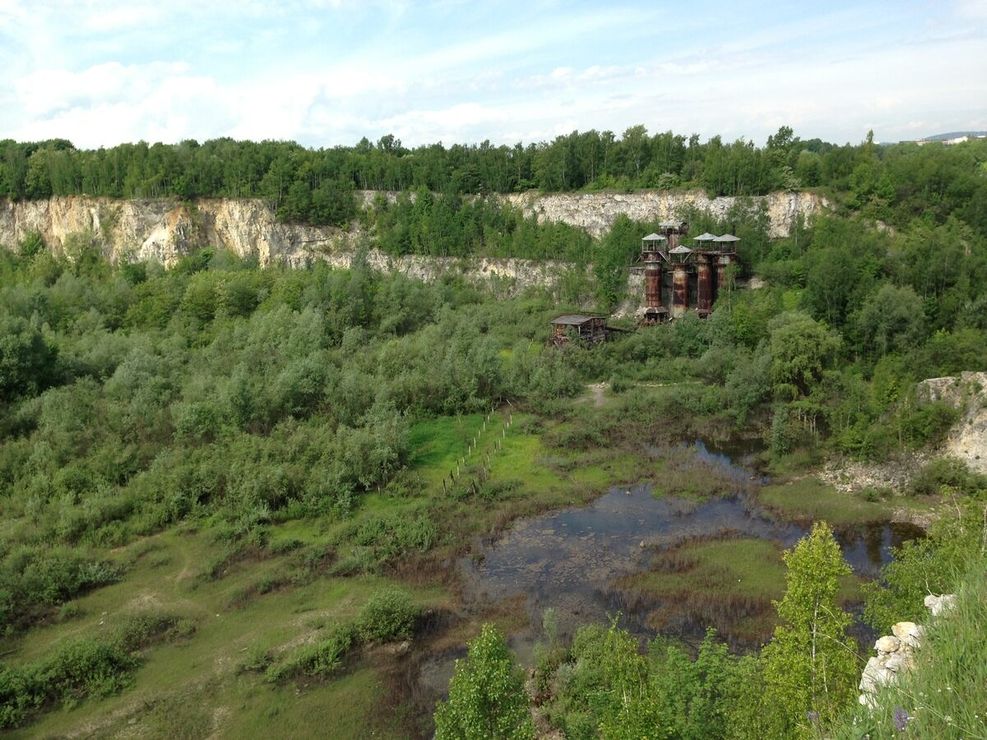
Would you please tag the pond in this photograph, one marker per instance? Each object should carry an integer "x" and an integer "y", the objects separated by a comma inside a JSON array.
[
  {"x": 668, "y": 564},
  {"x": 582, "y": 562}
]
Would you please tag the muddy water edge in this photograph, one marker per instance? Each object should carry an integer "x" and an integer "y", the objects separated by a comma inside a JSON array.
[{"x": 691, "y": 549}]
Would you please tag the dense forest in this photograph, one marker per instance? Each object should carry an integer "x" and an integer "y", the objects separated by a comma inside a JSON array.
[
  {"x": 225, "y": 486},
  {"x": 894, "y": 183}
]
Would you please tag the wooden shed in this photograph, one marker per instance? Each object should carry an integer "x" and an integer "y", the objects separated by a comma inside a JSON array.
[{"x": 578, "y": 327}]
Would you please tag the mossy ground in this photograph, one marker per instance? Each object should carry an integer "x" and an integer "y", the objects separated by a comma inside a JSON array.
[{"x": 809, "y": 499}]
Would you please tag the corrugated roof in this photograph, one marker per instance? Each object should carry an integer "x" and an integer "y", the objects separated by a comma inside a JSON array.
[
  {"x": 681, "y": 249},
  {"x": 653, "y": 238},
  {"x": 727, "y": 238},
  {"x": 707, "y": 237},
  {"x": 573, "y": 319}
]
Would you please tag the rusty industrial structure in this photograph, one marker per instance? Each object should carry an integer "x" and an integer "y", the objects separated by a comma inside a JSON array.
[
  {"x": 677, "y": 279},
  {"x": 674, "y": 273}
]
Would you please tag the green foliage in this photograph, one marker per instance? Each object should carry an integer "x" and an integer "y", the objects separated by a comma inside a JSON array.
[
  {"x": 27, "y": 361},
  {"x": 611, "y": 262},
  {"x": 486, "y": 694},
  {"x": 684, "y": 698},
  {"x": 800, "y": 349},
  {"x": 947, "y": 475},
  {"x": 35, "y": 579},
  {"x": 892, "y": 319},
  {"x": 32, "y": 244},
  {"x": 83, "y": 668},
  {"x": 321, "y": 659},
  {"x": 809, "y": 665},
  {"x": 932, "y": 564},
  {"x": 945, "y": 694},
  {"x": 79, "y": 670},
  {"x": 388, "y": 615},
  {"x": 604, "y": 667},
  {"x": 603, "y": 687},
  {"x": 892, "y": 183}
]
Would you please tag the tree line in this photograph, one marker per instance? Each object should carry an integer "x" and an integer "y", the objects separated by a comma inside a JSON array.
[{"x": 893, "y": 183}]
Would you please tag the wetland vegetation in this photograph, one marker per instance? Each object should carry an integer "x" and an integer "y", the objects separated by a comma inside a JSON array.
[{"x": 233, "y": 498}]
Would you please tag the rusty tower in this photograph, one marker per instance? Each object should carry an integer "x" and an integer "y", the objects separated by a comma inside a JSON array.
[{"x": 692, "y": 273}]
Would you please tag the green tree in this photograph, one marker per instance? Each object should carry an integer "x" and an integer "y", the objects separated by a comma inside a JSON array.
[
  {"x": 890, "y": 320},
  {"x": 800, "y": 349},
  {"x": 27, "y": 362},
  {"x": 486, "y": 694},
  {"x": 809, "y": 665}
]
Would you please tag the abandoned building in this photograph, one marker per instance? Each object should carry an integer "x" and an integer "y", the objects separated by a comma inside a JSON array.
[
  {"x": 589, "y": 329},
  {"x": 680, "y": 277},
  {"x": 677, "y": 278}
]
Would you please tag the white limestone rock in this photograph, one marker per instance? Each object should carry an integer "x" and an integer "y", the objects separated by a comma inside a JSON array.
[
  {"x": 939, "y": 604},
  {"x": 887, "y": 644},
  {"x": 909, "y": 633}
]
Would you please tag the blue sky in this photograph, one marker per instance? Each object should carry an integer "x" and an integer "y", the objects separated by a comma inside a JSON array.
[{"x": 327, "y": 72}]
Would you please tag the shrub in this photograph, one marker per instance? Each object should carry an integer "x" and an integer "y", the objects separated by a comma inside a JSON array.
[
  {"x": 942, "y": 472},
  {"x": 388, "y": 615},
  {"x": 34, "y": 580},
  {"x": 321, "y": 659},
  {"x": 85, "y": 668}
]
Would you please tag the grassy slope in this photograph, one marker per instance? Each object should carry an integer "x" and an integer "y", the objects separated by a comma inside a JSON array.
[
  {"x": 178, "y": 680},
  {"x": 194, "y": 688}
]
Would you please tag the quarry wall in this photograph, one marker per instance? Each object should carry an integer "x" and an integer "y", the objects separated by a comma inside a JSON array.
[{"x": 166, "y": 229}]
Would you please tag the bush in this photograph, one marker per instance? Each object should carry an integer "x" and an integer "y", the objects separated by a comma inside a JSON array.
[
  {"x": 944, "y": 696},
  {"x": 32, "y": 581},
  {"x": 321, "y": 660},
  {"x": 82, "y": 669},
  {"x": 388, "y": 615},
  {"x": 945, "y": 472}
]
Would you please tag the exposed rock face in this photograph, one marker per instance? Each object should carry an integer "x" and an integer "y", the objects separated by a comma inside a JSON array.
[
  {"x": 967, "y": 441},
  {"x": 596, "y": 212},
  {"x": 967, "y": 393},
  {"x": 166, "y": 229},
  {"x": 940, "y": 604}
]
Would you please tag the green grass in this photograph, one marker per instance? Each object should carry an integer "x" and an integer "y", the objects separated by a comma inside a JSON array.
[
  {"x": 166, "y": 578},
  {"x": 726, "y": 584},
  {"x": 808, "y": 499},
  {"x": 745, "y": 567},
  {"x": 257, "y": 605},
  {"x": 438, "y": 443}
]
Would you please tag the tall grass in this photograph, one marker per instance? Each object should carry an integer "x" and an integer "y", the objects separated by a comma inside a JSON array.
[{"x": 945, "y": 696}]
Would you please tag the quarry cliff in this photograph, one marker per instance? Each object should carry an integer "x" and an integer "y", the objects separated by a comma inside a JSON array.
[{"x": 165, "y": 229}]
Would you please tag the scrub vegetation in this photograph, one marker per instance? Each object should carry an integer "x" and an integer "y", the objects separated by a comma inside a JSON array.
[{"x": 251, "y": 487}]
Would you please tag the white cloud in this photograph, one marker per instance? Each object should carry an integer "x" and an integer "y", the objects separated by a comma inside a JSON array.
[{"x": 73, "y": 72}]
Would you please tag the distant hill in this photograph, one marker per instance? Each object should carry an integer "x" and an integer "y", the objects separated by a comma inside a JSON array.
[{"x": 952, "y": 136}]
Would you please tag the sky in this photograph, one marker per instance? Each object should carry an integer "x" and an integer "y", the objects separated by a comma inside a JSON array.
[{"x": 329, "y": 72}]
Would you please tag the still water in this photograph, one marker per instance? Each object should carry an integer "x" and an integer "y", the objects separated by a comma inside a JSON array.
[{"x": 572, "y": 560}]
